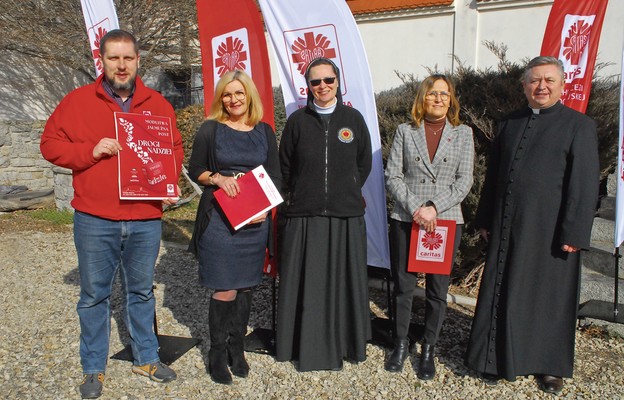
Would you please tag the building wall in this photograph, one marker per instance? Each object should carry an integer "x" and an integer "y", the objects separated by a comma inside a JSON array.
[
  {"x": 31, "y": 89},
  {"x": 412, "y": 42},
  {"x": 407, "y": 46},
  {"x": 21, "y": 162}
]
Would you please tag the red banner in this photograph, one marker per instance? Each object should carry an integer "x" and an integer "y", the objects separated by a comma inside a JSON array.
[
  {"x": 231, "y": 36},
  {"x": 572, "y": 35}
]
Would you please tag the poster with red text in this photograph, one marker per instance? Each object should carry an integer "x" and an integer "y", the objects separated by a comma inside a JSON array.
[
  {"x": 147, "y": 166},
  {"x": 432, "y": 252}
]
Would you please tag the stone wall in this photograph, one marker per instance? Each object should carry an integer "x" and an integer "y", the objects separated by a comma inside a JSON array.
[{"x": 21, "y": 162}]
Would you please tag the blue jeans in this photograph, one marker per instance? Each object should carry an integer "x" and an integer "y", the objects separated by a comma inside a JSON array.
[{"x": 103, "y": 246}]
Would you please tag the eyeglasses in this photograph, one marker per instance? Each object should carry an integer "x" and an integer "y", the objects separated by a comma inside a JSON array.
[
  {"x": 239, "y": 95},
  {"x": 328, "y": 81},
  {"x": 444, "y": 96}
]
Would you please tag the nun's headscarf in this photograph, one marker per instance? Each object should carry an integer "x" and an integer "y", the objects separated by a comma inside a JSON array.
[{"x": 323, "y": 61}]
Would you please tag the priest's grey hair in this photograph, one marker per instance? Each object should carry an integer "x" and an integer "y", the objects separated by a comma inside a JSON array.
[{"x": 542, "y": 60}]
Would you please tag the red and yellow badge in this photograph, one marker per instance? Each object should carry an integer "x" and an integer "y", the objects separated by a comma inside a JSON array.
[{"x": 345, "y": 135}]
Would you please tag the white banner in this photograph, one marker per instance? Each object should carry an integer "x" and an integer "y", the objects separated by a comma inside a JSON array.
[
  {"x": 302, "y": 30},
  {"x": 100, "y": 17},
  {"x": 619, "y": 200}
]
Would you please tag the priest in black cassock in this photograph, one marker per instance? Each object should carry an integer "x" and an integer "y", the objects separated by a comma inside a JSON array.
[{"x": 536, "y": 212}]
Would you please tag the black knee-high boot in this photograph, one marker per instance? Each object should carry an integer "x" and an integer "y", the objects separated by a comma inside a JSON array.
[
  {"x": 219, "y": 320},
  {"x": 238, "y": 331}
]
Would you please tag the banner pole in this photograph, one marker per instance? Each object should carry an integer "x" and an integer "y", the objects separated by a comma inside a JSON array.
[{"x": 617, "y": 278}]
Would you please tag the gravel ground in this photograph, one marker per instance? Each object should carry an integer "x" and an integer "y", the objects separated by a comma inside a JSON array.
[{"x": 39, "y": 346}]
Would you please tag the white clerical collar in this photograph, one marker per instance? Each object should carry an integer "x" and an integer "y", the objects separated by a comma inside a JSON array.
[
  {"x": 539, "y": 110},
  {"x": 325, "y": 110}
]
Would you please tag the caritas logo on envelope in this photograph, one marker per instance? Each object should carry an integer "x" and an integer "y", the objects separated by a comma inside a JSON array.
[{"x": 432, "y": 245}]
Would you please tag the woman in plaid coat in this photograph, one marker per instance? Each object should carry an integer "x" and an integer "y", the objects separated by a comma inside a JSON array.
[{"x": 429, "y": 173}]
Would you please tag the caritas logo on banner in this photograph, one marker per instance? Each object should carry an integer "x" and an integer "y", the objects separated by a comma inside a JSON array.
[
  {"x": 621, "y": 157},
  {"x": 306, "y": 45},
  {"x": 574, "y": 51},
  {"x": 230, "y": 51},
  {"x": 96, "y": 33}
]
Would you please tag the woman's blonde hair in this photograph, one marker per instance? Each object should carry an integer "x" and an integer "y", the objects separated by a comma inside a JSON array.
[
  {"x": 418, "y": 109},
  {"x": 218, "y": 111}
]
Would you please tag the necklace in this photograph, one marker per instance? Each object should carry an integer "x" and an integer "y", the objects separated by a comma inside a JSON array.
[
  {"x": 438, "y": 131},
  {"x": 435, "y": 133}
]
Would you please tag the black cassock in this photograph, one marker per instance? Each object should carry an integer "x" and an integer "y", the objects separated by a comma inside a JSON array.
[{"x": 540, "y": 192}]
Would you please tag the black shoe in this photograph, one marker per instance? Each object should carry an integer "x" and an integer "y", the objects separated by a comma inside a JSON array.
[
  {"x": 238, "y": 364},
  {"x": 91, "y": 386},
  {"x": 398, "y": 355},
  {"x": 426, "y": 365},
  {"x": 549, "y": 383},
  {"x": 218, "y": 323},
  {"x": 338, "y": 368},
  {"x": 490, "y": 379},
  {"x": 219, "y": 371},
  {"x": 238, "y": 331}
]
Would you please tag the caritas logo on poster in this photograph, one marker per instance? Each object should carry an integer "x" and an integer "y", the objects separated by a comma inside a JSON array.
[
  {"x": 230, "y": 51},
  {"x": 306, "y": 45},
  {"x": 96, "y": 33},
  {"x": 574, "y": 50}
]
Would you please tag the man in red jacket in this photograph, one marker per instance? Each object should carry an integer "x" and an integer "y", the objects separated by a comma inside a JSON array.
[{"x": 110, "y": 233}]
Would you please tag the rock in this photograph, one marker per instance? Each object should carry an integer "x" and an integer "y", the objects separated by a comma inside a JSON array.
[{"x": 26, "y": 200}]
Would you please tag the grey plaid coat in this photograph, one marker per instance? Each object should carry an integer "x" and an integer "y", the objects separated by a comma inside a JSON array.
[{"x": 412, "y": 180}]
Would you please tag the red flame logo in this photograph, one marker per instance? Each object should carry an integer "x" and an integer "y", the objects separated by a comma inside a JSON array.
[
  {"x": 99, "y": 34},
  {"x": 230, "y": 56},
  {"x": 575, "y": 43},
  {"x": 432, "y": 240},
  {"x": 309, "y": 48}
]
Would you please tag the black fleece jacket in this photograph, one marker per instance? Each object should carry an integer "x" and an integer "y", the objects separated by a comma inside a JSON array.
[{"x": 324, "y": 166}]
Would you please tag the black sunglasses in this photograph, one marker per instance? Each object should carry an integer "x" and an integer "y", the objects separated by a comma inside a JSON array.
[{"x": 328, "y": 81}]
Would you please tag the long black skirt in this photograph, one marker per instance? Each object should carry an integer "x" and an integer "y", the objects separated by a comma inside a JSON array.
[{"x": 323, "y": 313}]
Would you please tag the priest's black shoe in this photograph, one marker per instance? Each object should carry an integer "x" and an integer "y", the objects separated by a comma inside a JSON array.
[
  {"x": 398, "y": 355},
  {"x": 490, "y": 379},
  {"x": 549, "y": 383},
  {"x": 426, "y": 365}
]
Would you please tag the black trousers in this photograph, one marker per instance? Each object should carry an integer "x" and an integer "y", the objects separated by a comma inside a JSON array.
[{"x": 436, "y": 286}]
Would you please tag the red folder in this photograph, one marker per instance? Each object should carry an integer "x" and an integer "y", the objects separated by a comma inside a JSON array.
[
  {"x": 432, "y": 252},
  {"x": 257, "y": 195}
]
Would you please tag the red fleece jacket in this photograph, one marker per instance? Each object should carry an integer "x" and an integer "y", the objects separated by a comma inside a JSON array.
[{"x": 81, "y": 120}]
